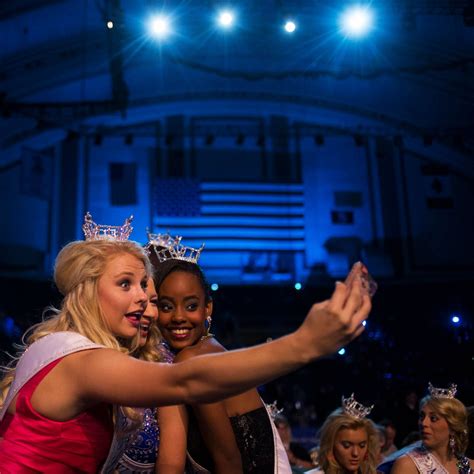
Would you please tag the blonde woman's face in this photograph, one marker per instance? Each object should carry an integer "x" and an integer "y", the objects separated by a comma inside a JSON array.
[
  {"x": 122, "y": 294},
  {"x": 151, "y": 312},
  {"x": 350, "y": 448},
  {"x": 434, "y": 428}
]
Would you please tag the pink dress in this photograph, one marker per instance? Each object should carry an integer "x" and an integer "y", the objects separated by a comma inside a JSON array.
[{"x": 32, "y": 443}]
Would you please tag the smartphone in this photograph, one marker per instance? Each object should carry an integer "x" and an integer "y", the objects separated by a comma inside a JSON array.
[{"x": 359, "y": 270}]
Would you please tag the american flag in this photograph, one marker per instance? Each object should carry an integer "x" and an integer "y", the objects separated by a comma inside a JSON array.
[{"x": 231, "y": 216}]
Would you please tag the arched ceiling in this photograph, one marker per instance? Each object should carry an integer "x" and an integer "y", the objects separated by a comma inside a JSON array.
[{"x": 63, "y": 70}]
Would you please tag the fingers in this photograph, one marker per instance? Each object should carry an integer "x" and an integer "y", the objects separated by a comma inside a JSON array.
[
  {"x": 362, "y": 313},
  {"x": 338, "y": 297}
]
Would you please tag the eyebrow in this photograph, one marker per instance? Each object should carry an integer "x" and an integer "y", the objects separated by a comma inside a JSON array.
[
  {"x": 127, "y": 273},
  {"x": 186, "y": 298}
]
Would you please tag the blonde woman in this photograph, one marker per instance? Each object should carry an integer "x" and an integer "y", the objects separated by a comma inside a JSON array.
[
  {"x": 349, "y": 441},
  {"x": 56, "y": 400},
  {"x": 444, "y": 437}
]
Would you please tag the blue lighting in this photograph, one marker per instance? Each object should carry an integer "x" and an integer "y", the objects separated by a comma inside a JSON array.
[
  {"x": 159, "y": 26},
  {"x": 214, "y": 287},
  {"x": 456, "y": 320},
  {"x": 225, "y": 18},
  {"x": 290, "y": 26},
  {"x": 356, "y": 21},
  {"x": 341, "y": 351},
  {"x": 298, "y": 286}
]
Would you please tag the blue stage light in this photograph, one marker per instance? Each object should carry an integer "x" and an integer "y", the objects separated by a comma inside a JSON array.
[
  {"x": 456, "y": 319},
  {"x": 356, "y": 21},
  {"x": 225, "y": 18},
  {"x": 341, "y": 351},
  {"x": 159, "y": 26},
  {"x": 214, "y": 287},
  {"x": 290, "y": 26},
  {"x": 298, "y": 286}
]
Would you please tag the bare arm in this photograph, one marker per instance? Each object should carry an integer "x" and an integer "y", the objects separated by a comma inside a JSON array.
[
  {"x": 116, "y": 378},
  {"x": 173, "y": 423},
  {"x": 404, "y": 465}
]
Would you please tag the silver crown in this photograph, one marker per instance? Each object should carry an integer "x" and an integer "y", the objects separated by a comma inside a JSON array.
[
  {"x": 179, "y": 252},
  {"x": 353, "y": 408},
  {"x": 161, "y": 240},
  {"x": 274, "y": 410},
  {"x": 449, "y": 392},
  {"x": 93, "y": 231}
]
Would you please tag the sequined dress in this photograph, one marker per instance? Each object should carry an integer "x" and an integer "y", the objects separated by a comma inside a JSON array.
[
  {"x": 257, "y": 439},
  {"x": 142, "y": 451}
]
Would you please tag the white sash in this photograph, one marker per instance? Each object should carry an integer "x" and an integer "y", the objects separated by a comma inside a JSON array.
[{"x": 41, "y": 353}]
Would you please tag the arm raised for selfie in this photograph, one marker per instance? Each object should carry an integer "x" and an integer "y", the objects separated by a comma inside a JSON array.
[{"x": 117, "y": 378}]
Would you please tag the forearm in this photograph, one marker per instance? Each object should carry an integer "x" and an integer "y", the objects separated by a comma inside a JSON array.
[{"x": 216, "y": 376}]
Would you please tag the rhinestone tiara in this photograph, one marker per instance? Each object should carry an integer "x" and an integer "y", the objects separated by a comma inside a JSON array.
[
  {"x": 353, "y": 408},
  {"x": 436, "y": 392},
  {"x": 93, "y": 231},
  {"x": 179, "y": 252},
  {"x": 161, "y": 240}
]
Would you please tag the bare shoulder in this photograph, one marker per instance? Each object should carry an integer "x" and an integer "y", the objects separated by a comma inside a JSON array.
[
  {"x": 404, "y": 465},
  {"x": 209, "y": 345}
]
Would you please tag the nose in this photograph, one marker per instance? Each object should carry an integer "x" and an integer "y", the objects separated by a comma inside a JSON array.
[
  {"x": 178, "y": 314},
  {"x": 355, "y": 451},
  {"x": 142, "y": 297}
]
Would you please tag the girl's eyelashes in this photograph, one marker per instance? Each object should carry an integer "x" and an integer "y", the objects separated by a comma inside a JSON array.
[{"x": 124, "y": 283}]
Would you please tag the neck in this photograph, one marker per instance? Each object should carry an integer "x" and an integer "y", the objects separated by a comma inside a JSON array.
[{"x": 442, "y": 453}]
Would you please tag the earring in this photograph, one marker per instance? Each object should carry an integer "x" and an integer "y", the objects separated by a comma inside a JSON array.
[
  {"x": 207, "y": 326},
  {"x": 452, "y": 444}
]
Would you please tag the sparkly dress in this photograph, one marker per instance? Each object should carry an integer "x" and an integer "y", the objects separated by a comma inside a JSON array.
[
  {"x": 142, "y": 451},
  {"x": 260, "y": 446}
]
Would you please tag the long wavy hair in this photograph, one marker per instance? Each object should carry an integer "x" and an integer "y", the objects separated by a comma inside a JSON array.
[
  {"x": 335, "y": 422},
  {"x": 455, "y": 414},
  {"x": 78, "y": 268}
]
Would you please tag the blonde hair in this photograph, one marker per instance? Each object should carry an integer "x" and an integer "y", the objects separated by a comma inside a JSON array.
[
  {"x": 78, "y": 268},
  {"x": 337, "y": 421},
  {"x": 455, "y": 414}
]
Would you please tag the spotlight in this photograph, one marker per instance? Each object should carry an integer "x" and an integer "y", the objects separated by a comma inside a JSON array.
[
  {"x": 159, "y": 26},
  {"x": 110, "y": 24},
  {"x": 298, "y": 286},
  {"x": 290, "y": 26},
  {"x": 341, "y": 351},
  {"x": 456, "y": 320},
  {"x": 225, "y": 18},
  {"x": 214, "y": 287},
  {"x": 356, "y": 21}
]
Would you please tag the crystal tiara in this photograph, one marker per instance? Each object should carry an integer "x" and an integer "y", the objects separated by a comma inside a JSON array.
[
  {"x": 353, "y": 408},
  {"x": 449, "y": 392},
  {"x": 179, "y": 252},
  {"x": 93, "y": 231},
  {"x": 161, "y": 240}
]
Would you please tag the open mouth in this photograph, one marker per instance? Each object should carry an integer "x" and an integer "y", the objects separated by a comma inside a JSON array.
[
  {"x": 179, "y": 333},
  {"x": 134, "y": 318}
]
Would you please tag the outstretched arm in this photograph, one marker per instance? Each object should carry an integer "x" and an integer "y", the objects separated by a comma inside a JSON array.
[{"x": 116, "y": 378}]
